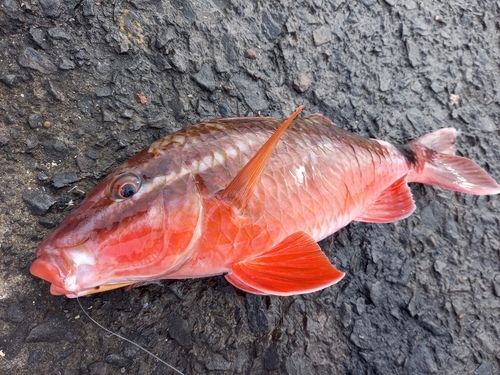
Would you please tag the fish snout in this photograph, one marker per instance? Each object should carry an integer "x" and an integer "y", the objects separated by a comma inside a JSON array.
[
  {"x": 46, "y": 270},
  {"x": 67, "y": 270}
]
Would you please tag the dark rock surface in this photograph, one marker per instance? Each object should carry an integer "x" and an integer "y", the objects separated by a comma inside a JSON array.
[
  {"x": 39, "y": 203},
  {"x": 420, "y": 296},
  {"x": 33, "y": 59}
]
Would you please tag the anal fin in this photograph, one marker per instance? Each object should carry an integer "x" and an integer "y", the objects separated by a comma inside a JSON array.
[
  {"x": 395, "y": 203},
  {"x": 295, "y": 266}
]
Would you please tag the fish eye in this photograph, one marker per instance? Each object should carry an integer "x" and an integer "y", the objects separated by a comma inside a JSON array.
[
  {"x": 127, "y": 190},
  {"x": 125, "y": 186}
]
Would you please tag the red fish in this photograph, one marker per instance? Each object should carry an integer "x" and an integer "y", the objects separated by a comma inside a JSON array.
[{"x": 247, "y": 198}]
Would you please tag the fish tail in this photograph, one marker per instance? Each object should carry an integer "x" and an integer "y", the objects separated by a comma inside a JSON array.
[{"x": 433, "y": 162}]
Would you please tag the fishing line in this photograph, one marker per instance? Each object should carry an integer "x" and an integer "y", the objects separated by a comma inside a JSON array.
[{"x": 127, "y": 340}]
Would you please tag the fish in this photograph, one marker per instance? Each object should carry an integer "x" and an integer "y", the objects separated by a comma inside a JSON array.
[{"x": 247, "y": 198}]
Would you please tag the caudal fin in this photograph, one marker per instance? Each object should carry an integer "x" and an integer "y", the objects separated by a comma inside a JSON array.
[{"x": 435, "y": 163}]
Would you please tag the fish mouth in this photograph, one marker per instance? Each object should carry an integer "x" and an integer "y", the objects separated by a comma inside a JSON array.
[
  {"x": 68, "y": 270},
  {"x": 48, "y": 271}
]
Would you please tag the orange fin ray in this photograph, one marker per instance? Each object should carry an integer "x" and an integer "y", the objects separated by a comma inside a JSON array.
[
  {"x": 295, "y": 266},
  {"x": 395, "y": 203},
  {"x": 241, "y": 188}
]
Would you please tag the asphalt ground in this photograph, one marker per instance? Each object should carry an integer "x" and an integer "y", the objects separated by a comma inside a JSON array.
[{"x": 421, "y": 296}]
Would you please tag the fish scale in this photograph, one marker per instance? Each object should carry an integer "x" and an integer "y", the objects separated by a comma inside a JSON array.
[
  {"x": 247, "y": 198},
  {"x": 319, "y": 207}
]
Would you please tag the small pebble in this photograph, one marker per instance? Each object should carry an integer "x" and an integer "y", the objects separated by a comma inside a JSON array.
[
  {"x": 107, "y": 116},
  {"x": 42, "y": 176},
  {"x": 322, "y": 35},
  {"x": 35, "y": 120},
  {"x": 31, "y": 142},
  {"x": 66, "y": 64},
  {"x": 38, "y": 203},
  {"x": 92, "y": 154},
  {"x": 60, "y": 146},
  {"x": 31, "y": 58},
  {"x": 64, "y": 179},
  {"x": 84, "y": 163},
  {"x": 103, "y": 91},
  {"x": 179, "y": 63},
  {"x": 205, "y": 78},
  {"x": 16, "y": 314},
  {"x": 51, "y": 8},
  {"x": 8, "y": 79},
  {"x": 39, "y": 37},
  {"x": 128, "y": 113},
  {"x": 250, "y": 54},
  {"x": 56, "y": 94},
  {"x": 48, "y": 222},
  {"x": 59, "y": 34},
  {"x": 302, "y": 83},
  {"x": 88, "y": 8}
]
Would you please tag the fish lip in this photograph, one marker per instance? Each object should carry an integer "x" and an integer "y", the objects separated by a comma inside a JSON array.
[
  {"x": 50, "y": 269},
  {"x": 59, "y": 291},
  {"x": 51, "y": 266},
  {"x": 45, "y": 269},
  {"x": 63, "y": 267}
]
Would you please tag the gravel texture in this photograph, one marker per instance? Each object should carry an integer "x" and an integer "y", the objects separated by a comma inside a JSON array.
[{"x": 84, "y": 85}]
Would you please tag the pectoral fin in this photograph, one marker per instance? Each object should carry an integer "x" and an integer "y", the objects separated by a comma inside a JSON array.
[
  {"x": 395, "y": 203},
  {"x": 240, "y": 189},
  {"x": 295, "y": 266}
]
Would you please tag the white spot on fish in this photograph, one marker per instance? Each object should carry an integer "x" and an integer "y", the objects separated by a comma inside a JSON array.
[
  {"x": 196, "y": 165},
  {"x": 70, "y": 283},
  {"x": 314, "y": 158},
  {"x": 216, "y": 125},
  {"x": 80, "y": 257},
  {"x": 193, "y": 142},
  {"x": 300, "y": 175},
  {"x": 232, "y": 153},
  {"x": 388, "y": 146},
  {"x": 156, "y": 148},
  {"x": 243, "y": 147},
  {"x": 219, "y": 158},
  {"x": 208, "y": 161},
  {"x": 179, "y": 139},
  {"x": 172, "y": 176}
]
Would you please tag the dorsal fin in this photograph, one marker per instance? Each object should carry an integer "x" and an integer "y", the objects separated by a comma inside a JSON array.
[{"x": 241, "y": 188}]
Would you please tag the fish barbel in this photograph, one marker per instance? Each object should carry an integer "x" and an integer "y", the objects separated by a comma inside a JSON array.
[{"x": 244, "y": 198}]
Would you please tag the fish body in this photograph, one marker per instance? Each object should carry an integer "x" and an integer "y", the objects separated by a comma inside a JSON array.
[
  {"x": 246, "y": 198},
  {"x": 295, "y": 193}
]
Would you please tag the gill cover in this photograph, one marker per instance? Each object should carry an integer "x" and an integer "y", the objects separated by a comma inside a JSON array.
[{"x": 158, "y": 235}]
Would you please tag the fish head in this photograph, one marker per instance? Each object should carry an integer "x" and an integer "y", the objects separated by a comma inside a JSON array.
[{"x": 139, "y": 224}]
